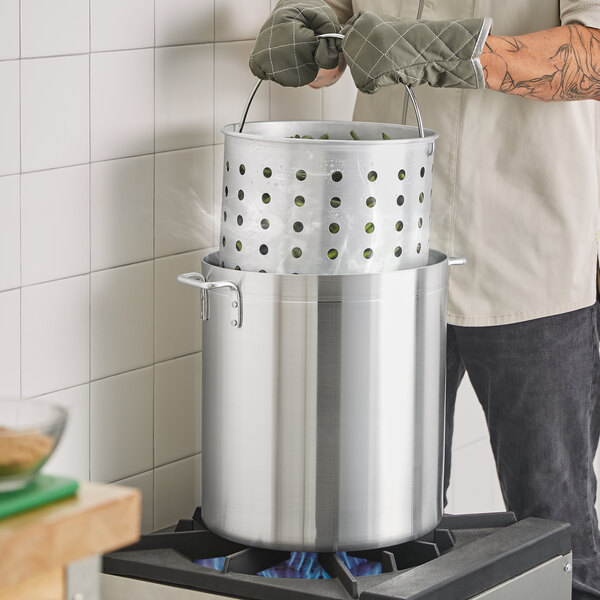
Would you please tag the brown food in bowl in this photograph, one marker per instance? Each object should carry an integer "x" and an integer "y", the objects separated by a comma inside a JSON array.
[{"x": 22, "y": 451}]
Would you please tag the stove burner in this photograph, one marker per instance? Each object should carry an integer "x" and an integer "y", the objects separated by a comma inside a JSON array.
[{"x": 457, "y": 556}]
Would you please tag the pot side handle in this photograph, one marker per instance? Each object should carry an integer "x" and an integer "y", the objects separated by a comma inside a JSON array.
[
  {"x": 453, "y": 261},
  {"x": 198, "y": 280}
]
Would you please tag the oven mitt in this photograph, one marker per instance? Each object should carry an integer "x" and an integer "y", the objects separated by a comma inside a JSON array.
[
  {"x": 287, "y": 50},
  {"x": 384, "y": 51}
]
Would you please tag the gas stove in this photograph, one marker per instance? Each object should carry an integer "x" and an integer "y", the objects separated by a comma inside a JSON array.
[{"x": 480, "y": 557}]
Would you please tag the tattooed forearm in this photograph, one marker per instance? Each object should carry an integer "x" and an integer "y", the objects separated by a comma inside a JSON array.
[{"x": 557, "y": 64}]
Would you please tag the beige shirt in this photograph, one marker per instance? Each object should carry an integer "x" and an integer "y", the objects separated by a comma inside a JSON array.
[{"x": 516, "y": 182}]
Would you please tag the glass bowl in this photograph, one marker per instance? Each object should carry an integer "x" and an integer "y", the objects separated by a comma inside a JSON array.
[{"x": 29, "y": 433}]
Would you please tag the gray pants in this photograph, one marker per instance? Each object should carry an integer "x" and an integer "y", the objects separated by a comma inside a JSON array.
[{"x": 539, "y": 385}]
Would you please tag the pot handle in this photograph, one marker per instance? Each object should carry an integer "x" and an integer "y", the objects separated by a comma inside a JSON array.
[
  {"x": 198, "y": 280},
  {"x": 453, "y": 261}
]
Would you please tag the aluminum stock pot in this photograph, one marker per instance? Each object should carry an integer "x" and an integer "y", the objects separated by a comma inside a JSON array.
[{"x": 323, "y": 405}]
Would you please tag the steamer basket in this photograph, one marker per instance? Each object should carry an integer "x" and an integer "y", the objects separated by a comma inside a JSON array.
[{"x": 326, "y": 206}]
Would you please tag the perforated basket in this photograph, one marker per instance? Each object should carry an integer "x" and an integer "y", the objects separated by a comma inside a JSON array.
[{"x": 296, "y": 203}]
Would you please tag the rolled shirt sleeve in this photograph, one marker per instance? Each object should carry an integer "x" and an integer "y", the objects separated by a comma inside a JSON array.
[
  {"x": 580, "y": 12},
  {"x": 343, "y": 9}
]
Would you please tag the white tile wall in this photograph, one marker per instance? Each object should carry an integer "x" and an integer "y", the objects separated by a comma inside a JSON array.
[
  {"x": 72, "y": 458},
  {"x": 122, "y": 104},
  {"x": 10, "y": 233},
  {"x": 184, "y": 22},
  {"x": 122, "y": 211},
  {"x": 52, "y": 27},
  {"x": 121, "y": 425},
  {"x": 9, "y": 29},
  {"x": 55, "y": 341},
  {"x": 122, "y": 331},
  {"x": 55, "y": 112},
  {"x": 184, "y": 101},
  {"x": 185, "y": 476},
  {"x": 178, "y": 326},
  {"x": 177, "y": 409},
  {"x": 184, "y": 201},
  {"x": 118, "y": 25},
  {"x": 130, "y": 134},
  {"x": 233, "y": 23},
  {"x": 10, "y": 343},
  {"x": 9, "y": 118},
  {"x": 55, "y": 216}
]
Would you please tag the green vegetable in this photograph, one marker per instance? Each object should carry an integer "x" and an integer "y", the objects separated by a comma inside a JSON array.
[
  {"x": 308, "y": 137},
  {"x": 369, "y": 227},
  {"x": 325, "y": 136},
  {"x": 354, "y": 135},
  {"x": 332, "y": 254},
  {"x": 385, "y": 136}
]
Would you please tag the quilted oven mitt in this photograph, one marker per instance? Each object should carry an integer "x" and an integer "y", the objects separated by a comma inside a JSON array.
[
  {"x": 384, "y": 51},
  {"x": 287, "y": 50}
]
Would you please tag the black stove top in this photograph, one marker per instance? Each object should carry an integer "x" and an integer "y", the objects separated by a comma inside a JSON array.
[{"x": 463, "y": 557}]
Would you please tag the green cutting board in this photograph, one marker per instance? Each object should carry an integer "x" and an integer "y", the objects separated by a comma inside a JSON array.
[{"x": 44, "y": 489}]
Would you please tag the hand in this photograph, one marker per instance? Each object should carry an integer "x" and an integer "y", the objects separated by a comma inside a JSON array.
[
  {"x": 384, "y": 51},
  {"x": 327, "y": 77},
  {"x": 287, "y": 50}
]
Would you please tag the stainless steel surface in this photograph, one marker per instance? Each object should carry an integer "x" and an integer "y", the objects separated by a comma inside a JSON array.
[
  {"x": 548, "y": 581},
  {"x": 323, "y": 415},
  {"x": 326, "y": 206},
  {"x": 197, "y": 280},
  {"x": 124, "y": 588},
  {"x": 413, "y": 99},
  {"x": 82, "y": 579}
]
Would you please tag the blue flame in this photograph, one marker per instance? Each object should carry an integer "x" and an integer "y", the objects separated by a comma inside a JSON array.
[
  {"x": 300, "y": 565},
  {"x": 211, "y": 563},
  {"x": 303, "y": 565},
  {"x": 360, "y": 566}
]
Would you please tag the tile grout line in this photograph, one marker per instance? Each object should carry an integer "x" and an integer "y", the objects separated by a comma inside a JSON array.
[
  {"x": 90, "y": 240},
  {"x": 20, "y": 217},
  {"x": 154, "y": 287}
]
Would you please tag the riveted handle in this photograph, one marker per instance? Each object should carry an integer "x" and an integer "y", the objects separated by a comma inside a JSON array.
[
  {"x": 453, "y": 261},
  {"x": 199, "y": 281}
]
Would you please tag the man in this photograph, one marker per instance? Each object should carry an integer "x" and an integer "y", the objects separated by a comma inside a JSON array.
[{"x": 516, "y": 192}]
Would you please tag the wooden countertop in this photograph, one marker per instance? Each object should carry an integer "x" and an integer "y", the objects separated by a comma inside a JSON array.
[{"x": 99, "y": 519}]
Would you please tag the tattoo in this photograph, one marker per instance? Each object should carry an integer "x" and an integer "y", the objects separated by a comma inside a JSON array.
[{"x": 573, "y": 70}]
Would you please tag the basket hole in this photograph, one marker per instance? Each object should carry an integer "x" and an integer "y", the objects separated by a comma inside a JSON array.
[
  {"x": 372, "y": 176},
  {"x": 226, "y": 191},
  {"x": 368, "y": 253},
  {"x": 421, "y": 197},
  {"x": 298, "y": 227},
  {"x": 266, "y": 198},
  {"x": 224, "y": 241},
  {"x": 299, "y": 201},
  {"x": 267, "y": 172},
  {"x": 237, "y": 268},
  {"x": 420, "y": 223},
  {"x": 296, "y": 252},
  {"x": 332, "y": 254},
  {"x": 265, "y": 224},
  {"x": 262, "y": 271},
  {"x": 371, "y": 202},
  {"x": 419, "y": 248},
  {"x": 400, "y": 200},
  {"x": 238, "y": 246},
  {"x": 227, "y": 166},
  {"x": 335, "y": 202},
  {"x": 242, "y": 169},
  {"x": 370, "y": 227},
  {"x": 422, "y": 171},
  {"x": 241, "y": 194},
  {"x": 223, "y": 264},
  {"x": 224, "y": 215},
  {"x": 240, "y": 220},
  {"x": 334, "y": 228},
  {"x": 264, "y": 249},
  {"x": 399, "y": 226},
  {"x": 398, "y": 252},
  {"x": 301, "y": 175},
  {"x": 401, "y": 174},
  {"x": 337, "y": 176}
]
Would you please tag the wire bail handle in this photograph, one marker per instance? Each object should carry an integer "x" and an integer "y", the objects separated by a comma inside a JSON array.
[{"x": 338, "y": 36}]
